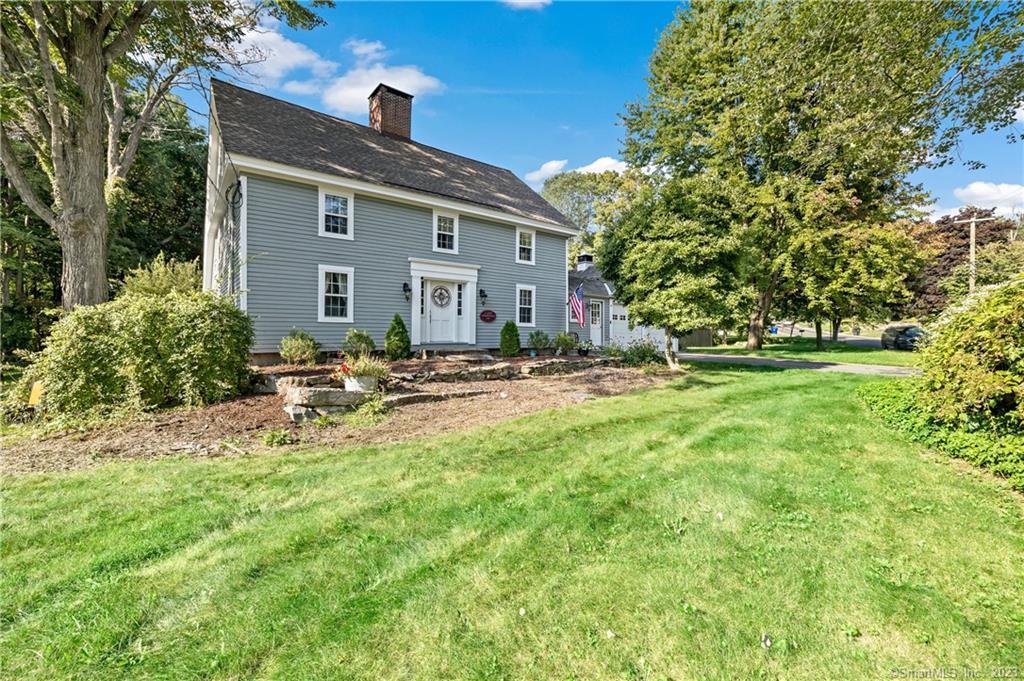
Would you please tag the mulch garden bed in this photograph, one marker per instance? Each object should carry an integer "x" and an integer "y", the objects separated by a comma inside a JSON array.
[{"x": 233, "y": 428}]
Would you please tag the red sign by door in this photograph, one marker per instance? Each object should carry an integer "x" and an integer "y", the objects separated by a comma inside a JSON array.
[{"x": 488, "y": 316}]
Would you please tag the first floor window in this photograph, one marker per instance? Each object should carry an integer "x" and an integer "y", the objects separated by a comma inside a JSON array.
[
  {"x": 525, "y": 300},
  {"x": 335, "y": 294}
]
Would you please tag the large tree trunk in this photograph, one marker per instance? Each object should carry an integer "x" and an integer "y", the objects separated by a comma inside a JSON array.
[
  {"x": 759, "y": 318},
  {"x": 817, "y": 335},
  {"x": 670, "y": 356},
  {"x": 82, "y": 222},
  {"x": 836, "y": 323}
]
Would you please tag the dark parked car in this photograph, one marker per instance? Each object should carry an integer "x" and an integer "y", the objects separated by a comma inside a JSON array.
[{"x": 903, "y": 337}]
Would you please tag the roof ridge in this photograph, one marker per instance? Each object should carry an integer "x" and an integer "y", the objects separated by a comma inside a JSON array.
[{"x": 360, "y": 125}]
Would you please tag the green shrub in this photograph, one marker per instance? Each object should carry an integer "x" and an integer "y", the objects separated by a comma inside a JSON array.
[
  {"x": 359, "y": 342},
  {"x": 636, "y": 353},
  {"x": 370, "y": 413},
  {"x": 538, "y": 340},
  {"x": 299, "y": 347},
  {"x": 373, "y": 367},
  {"x": 896, "y": 402},
  {"x": 145, "y": 352},
  {"x": 278, "y": 438},
  {"x": 510, "y": 340},
  {"x": 396, "y": 341},
  {"x": 564, "y": 343},
  {"x": 162, "y": 277},
  {"x": 973, "y": 361}
]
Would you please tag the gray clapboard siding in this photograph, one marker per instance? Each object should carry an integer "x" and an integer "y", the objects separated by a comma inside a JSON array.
[{"x": 284, "y": 252}]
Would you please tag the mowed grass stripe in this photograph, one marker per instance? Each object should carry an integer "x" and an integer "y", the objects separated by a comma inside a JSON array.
[{"x": 658, "y": 533}]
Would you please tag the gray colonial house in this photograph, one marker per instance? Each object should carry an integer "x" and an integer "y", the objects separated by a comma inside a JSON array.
[{"x": 323, "y": 224}]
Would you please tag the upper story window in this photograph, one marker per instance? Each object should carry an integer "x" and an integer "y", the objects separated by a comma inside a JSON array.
[
  {"x": 525, "y": 239},
  {"x": 335, "y": 292},
  {"x": 526, "y": 305},
  {"x": 335, "y": 214},
  {"x": 446, "y": 232}
]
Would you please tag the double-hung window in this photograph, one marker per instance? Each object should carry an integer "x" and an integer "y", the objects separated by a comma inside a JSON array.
[
  {"x": 526, "y": 304},
  {"x": 525, "y": 239},
  {"x": 335, "y": 293},
  {"x": 446, "y": 232},
  {"x": 335, "y": 214}
]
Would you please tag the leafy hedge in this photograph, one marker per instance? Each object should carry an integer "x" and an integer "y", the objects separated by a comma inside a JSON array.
[
  {"x": 299, "y": 347},
  {"x": 896, "y": 402},
  {"x": 973, "y": 362},
  {"x": 637, "y": 353},
  {"x": 143, "y": 352}
]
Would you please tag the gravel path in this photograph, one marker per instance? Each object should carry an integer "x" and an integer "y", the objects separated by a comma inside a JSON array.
[{"x": 877, "y": 369}]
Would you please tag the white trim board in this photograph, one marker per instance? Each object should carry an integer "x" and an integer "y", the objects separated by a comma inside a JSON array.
[
  {"x": 243, "y": 246},
  {"x": 280, "y": 170}
]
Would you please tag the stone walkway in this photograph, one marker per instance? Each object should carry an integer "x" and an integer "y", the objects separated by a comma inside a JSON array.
[{"x": 877, "y": 369}]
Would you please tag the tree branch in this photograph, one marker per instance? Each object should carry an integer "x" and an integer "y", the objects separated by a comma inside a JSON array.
[
  {"x": 115, "y": 120},
  {"x": 116, "y": 48},
  {"x": 124, "y": 164},
  {"x": 55, "y": 118},
  {"x": 21, "y": 183}
]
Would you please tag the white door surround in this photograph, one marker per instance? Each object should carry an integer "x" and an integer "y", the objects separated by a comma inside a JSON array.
[
  {"x": 433, "y": 283},
  {"x": 596, "y": 336}
]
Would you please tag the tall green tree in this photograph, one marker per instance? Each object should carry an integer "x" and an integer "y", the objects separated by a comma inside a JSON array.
[
  {"x": 67, "y": 71},
  {"x": 779, "y": 99},
  {"x": 669, "y": 248},
  {"x": 578, "y": 196}
]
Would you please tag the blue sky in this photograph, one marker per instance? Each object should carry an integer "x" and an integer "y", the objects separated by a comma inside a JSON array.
[{"x": 534, "y": 86}]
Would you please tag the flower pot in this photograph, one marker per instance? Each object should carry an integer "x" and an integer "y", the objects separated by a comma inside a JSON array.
[
  {"x": 533, "y": 353},
  {"x": 361, "y": 384}
]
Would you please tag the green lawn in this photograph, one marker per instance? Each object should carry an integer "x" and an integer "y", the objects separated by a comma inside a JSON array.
[
  {"x": 655, "y": 535},
  {"x": 803, "y": 348}
]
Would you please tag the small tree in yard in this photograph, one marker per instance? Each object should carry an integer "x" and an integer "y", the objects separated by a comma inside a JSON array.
[
  {"x": 670, "y": 255},
  {"x": 510, "y": 339},
  {"x": 396, "y": 341}
]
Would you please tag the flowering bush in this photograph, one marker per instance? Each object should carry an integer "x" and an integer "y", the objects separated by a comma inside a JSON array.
[{"x": 363, "y": 366}]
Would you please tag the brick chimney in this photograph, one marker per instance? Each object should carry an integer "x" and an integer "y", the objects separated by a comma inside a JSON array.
[{"x": 391, "y": 111}]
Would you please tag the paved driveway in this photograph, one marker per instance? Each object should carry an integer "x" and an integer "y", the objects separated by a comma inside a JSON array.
[{"x": 798, "y": 364}]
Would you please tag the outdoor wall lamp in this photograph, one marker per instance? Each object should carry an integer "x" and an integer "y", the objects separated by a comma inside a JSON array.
[
  {"x": 407, "y": 290},
  {"x": 483, "y": 297}
]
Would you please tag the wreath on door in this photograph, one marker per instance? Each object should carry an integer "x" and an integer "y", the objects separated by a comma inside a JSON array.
[{"x": 441, "y": 296}]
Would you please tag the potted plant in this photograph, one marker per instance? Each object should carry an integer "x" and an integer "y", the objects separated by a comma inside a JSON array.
[
  {"x": 538, "y": 341},
  {"x": 362, "y": 374},
  {"x": 584, "y": 348}
]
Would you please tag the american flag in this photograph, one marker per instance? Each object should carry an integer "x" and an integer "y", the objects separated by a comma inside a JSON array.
[{"x": 576, "y": 303}]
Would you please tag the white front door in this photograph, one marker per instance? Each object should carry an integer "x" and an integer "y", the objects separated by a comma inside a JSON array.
[
  {"x": 441, "y": 311},
  {"x": 595, "y": 323}
]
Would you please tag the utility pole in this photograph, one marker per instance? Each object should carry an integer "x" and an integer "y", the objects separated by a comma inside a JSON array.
[{"x": 972, "y": 268}]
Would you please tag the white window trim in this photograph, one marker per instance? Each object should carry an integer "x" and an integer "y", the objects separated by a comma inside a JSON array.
[
  {"x": 433, "y": 244},
  {"x": 321, "y": 271},
  {"x": 533, "y": 245},
  {"x": 350, "y": 201},
  {"x": 533, "y": 299}
]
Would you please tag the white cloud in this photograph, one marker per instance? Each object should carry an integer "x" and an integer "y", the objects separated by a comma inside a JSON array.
[
  {"x": 276, "y": 56},
  {"x": 302, "y": 87},
  {"x": 602, "y": 164},
  {"x": 526, "y": 4},
  {"x": 545, "y": 171},
  {"x": 346, "y": 94},
  {"x": 367, "y": 50},
  {"x": 1005, "y": 197},
  {"x": 1019, "y": 113}
]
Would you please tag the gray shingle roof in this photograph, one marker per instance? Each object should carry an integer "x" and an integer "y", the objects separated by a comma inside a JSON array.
[
  {"x": 594, "y": 286},
  {"x": 271, "y": 129}
]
